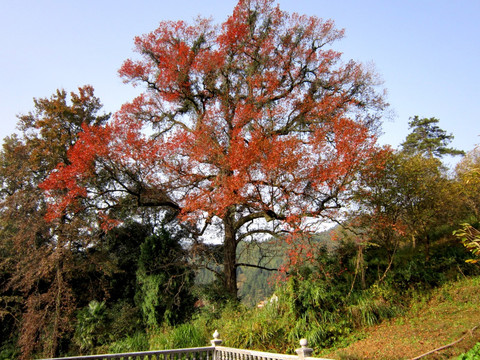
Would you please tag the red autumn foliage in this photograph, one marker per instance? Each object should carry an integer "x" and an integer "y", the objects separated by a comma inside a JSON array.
[{"x": 253, "y": 125}]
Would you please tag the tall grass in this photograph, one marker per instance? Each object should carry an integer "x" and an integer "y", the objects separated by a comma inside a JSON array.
[
  {"x": 263, "y": 329},
  {"x": 305, "y": 309},
  {"x": 135, "y": 342},
  {"x": 369, "y": 309},
  {"x": 182, "y": 336}
]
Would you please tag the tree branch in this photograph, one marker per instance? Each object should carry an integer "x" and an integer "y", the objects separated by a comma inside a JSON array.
[
  {"x": 257, "y": 231},
  {"x": 256, "y": 266},
  {"x": 446, "y": 346},
  {"x": 267, "y": 214}
]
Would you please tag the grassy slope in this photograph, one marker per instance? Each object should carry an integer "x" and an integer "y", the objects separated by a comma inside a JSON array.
[{"x": 448, "y": 314}]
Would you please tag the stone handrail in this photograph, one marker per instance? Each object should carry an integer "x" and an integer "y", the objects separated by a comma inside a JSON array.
[
  {"x": 201, "y": 353},
  {"x": 214, "y": 352},
  {"x": 225, "y": 353}
]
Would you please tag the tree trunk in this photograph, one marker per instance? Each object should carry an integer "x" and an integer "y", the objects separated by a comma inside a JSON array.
[
  {"x": 58, "y": 304},
  {"x": 427, "y": 248},
  {"x": 363, "y": 282},
  {"x": 230, "y": 254}
]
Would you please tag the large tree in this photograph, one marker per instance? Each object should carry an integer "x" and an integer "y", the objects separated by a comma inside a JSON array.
[
  {"x": 410, "y": 196},
  {"x": 244, "y": 129},
  {"x": 468, "y": 174},
  {"x": 43, "y": 257},
  {"x": 406, "y": 201}
]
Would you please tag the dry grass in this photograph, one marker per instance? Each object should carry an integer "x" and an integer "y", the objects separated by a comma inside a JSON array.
[{"x": 448, "y": 315}]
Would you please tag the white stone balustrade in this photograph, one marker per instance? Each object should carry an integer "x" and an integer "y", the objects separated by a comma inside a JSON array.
[{"x": 214, "y": 352}]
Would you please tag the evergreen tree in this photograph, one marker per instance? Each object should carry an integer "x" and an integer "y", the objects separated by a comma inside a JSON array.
[
  {"x": 164, "y": 280},
  {"x": 428, "y": 139}
]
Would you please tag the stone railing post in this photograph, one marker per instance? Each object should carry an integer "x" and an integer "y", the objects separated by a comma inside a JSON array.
[
  {"x": 304, "y": 351},
  {"x": 216, "y": 341}
]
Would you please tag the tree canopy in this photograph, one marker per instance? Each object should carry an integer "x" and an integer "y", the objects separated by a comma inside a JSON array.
[{"x": 243, "y": 129}]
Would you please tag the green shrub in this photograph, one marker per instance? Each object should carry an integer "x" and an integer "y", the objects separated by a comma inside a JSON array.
[
  {"x": 369, "y": 309},
  {"x": 187, "y": 335},
  {"x": 124, "y": 320},
  {"x": 264, "y": 329},
  {"x": 472, "y": 354},
  {"x": 135, "y": 342},
  {"x": 181, "y": 336},
  {"x": 9, "y": 351},
  {"x": 164, "y": 281},
  {"x": 91, "y": 326},
  {"x": 98, "y": 326}
]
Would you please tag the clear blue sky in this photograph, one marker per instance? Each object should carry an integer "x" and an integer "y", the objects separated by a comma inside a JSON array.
[{"x": 426, "y": 51}]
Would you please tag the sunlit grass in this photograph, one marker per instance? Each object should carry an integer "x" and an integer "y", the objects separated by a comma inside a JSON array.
[{"x": 442, "y": 317}]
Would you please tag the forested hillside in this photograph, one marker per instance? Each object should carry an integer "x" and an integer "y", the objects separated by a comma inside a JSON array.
[
  {"x": 264, "y": 261},
  {"x": 211, "y": 191}
]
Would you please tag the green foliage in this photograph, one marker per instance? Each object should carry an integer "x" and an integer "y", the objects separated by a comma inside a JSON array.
[
  {"x": 124, "y": 319},
  {"x": 411, "y": 271},
  {"x": 407, "y": 208},
  {"x": 472, "y": 354},
  {"x": 470, "y": 238},
  {"x": 121, "y": 247},
  {"x": 428, "y": 139},
  {"x": 187, "y": 335},
  {"x": 9, "y": 351},
  {"x": 91, "y": 326},
  {"x": 10, "y": 312},
  {"x": 98, "y": 326},
  {"x": 372, "y": 308},
  {"x": 214, "y": 293},
  {"x": 255, "y": 284},
  {"x": 262, "y": 329},
  {"x": 164, "y": 281},
  {"x": 314, "y": 303},
  {"x": 182, "y": 336},
  {"x": 136, "y": 342},
  {"x": 324, "y": 309}
]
